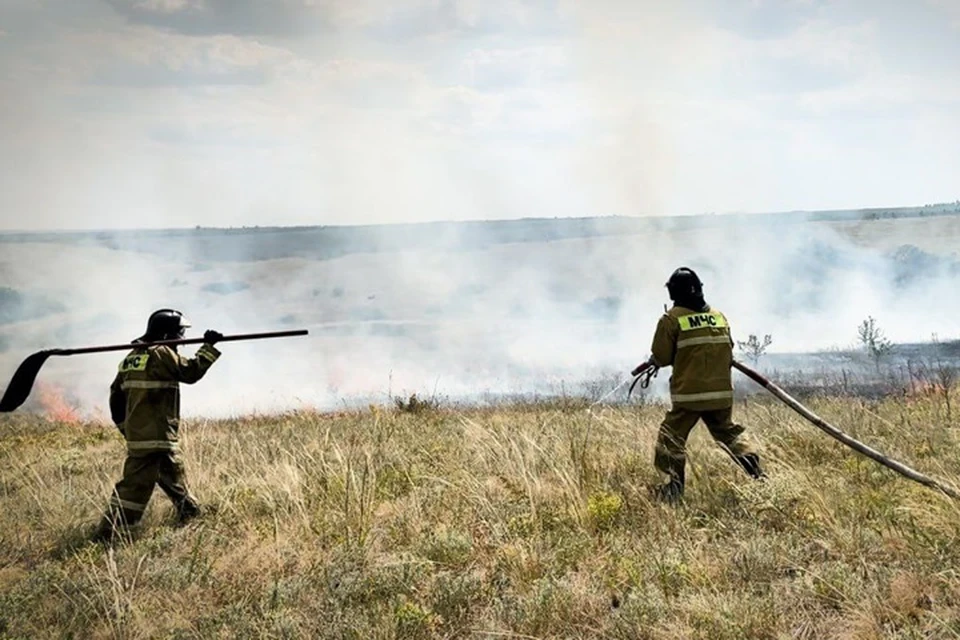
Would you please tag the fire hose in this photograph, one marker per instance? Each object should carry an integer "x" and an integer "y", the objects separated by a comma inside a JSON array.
[
  {"x": 644, "y": 374},
  {"x": 648, "y": 370}
]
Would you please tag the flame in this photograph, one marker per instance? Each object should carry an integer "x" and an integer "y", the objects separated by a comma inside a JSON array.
[
  {"x": 53, "y": 404},
  {"x": 928, "y": 389},
  {"x": 919, "y": 391}
]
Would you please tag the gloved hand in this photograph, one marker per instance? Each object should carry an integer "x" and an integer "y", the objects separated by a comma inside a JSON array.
[
  {"x": 212, "y": 337},
  {"x": 640, "y": 367}
]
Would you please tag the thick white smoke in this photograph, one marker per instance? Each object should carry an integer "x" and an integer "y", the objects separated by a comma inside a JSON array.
[
  {"x": 245, "y": 113},
  {"x": 471, "y": 314}
]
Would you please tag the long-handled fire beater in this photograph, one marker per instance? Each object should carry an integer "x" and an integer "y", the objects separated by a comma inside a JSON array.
[
  {"x": 647, "y": 370},
  {"x": 25, "y": 375}
]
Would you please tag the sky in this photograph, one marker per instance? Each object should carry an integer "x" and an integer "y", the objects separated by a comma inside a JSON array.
[{"x": 176, "y": 113}]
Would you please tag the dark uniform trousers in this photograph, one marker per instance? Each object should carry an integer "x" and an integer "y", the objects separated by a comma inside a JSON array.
[
  {"x": 140, "y": 474},
  {"x": 671, "y": 457}
]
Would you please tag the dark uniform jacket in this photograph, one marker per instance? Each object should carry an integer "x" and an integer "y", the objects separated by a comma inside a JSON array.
[
  {"x": 145, "y": 395},
  {"x": 699, "y": 347}
]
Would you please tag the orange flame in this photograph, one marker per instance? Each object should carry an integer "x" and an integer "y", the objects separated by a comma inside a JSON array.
[
  {"x": 921, "y": 390},
  {"x": 54, "y": 405},
  {"x": 926, "y": 389}
]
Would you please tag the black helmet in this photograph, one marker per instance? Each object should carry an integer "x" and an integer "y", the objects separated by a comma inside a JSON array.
[
  {"x": 684, "y": 284},
  {"x": 165, "y": 324}
]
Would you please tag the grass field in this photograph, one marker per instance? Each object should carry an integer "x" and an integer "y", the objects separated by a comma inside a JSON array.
[{"x": 528, "y": 521}]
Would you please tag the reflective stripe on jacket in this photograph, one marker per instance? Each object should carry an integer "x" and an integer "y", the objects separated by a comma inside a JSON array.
[
  {"x": 145, "y": 395},
  {"x": 698, "y": 345}
]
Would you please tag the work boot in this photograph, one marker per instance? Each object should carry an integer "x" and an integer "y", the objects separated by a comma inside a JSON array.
[
  {"x": 190, "y": 510},
  {"x": 670, "y": 492},
  {"x": 105, "y": 533},
  {"x": 751, "y": 464},
  {"x": 187, "y": 511}
]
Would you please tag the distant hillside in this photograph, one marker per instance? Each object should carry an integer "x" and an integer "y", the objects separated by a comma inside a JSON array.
[{"x": 327, "y": 242}]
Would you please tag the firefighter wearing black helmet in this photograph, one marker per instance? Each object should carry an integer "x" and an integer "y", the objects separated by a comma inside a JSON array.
[
  {"x": 695, "y": 340},
  {"x": 145, "y": 406}
]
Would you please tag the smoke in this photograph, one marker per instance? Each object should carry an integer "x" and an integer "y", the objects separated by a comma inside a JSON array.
[
  {"x": 470, "y": 311},
  {"x": 225, "y": 114}
]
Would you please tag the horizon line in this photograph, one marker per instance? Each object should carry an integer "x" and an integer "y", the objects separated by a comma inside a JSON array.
[{"x": 292, "y": 227}]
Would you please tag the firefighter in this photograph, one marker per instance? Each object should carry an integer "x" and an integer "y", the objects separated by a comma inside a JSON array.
[
  {"x": 145, "y": 406},
  {"x": 695, "y": 340}
]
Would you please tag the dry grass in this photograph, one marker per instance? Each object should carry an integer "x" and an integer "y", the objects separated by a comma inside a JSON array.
[{"x": 518, "y": 522}]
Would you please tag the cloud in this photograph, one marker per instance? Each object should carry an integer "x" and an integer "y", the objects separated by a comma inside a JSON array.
[
  {"x": 382, "y": 18},
  {"x": 137, "y": 57},
  {"x": 815, "y": 57},
  {"x": 490, "y": 109},
  {"x": 237, "y": 17},
  {"x": 527, "y": 67},
  {"x": 951, "y": 9},
  {"x": 466, "y": 18},
  {"x": 761, "y": 19}
]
